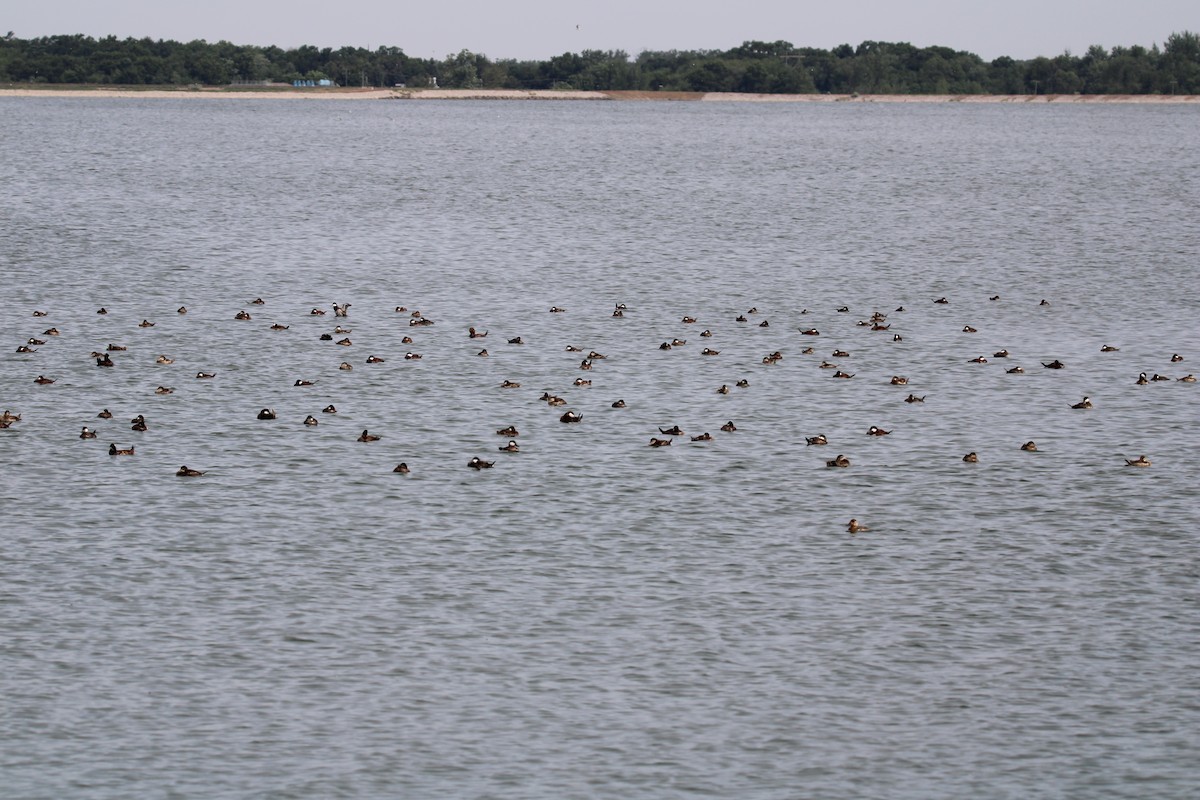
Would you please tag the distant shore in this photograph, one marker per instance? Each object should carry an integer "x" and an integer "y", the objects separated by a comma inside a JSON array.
[{"x": 287, "y": 93}]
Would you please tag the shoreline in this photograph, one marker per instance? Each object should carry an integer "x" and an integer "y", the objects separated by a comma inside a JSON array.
[{"x": 265, "y": 93}]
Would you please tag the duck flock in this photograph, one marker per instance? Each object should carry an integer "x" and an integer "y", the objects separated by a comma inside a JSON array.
[{"x": 326, "y": 332}]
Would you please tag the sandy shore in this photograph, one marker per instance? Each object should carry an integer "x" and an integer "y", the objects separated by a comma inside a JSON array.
[{"x": 222, "y": 93}]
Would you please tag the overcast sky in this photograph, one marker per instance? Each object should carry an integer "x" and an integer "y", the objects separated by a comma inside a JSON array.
[{"x": 538, "y": 29}]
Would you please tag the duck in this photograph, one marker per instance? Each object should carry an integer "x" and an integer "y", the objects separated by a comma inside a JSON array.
[
  {"x": 113, "y": 348},
  {"x": 665, "y": 346},
  {"x": 844, "y": 310},
  {"x": 35, "y": 341},
  {"x": 840, "y": 374},
  {"x": 618, "y": 313},
  {"x": 582, "y": 382},
  {"x": 772, "y": 358},
  {"x": 87, "y": 433},
  {"x": 409, "y": 340},
  {"x": 104, "y": 361},
  {"x": 810, "y": 332},
  {"x": 300, "y": 382},
  {"x": 341, "y": 310},
  {"x": 710, "y": 352},
  {"x": 138, "y": 424},
  {"x": 1142, "y": 379},
  {"x": 102, "y": 310},
  {"x": 723, "y": 389},
  {"x": 594, "y": 356},
  {"x": 978, "y": 360},
  {"x": 971, "y": 458},
  {"x": 367, "y": 437},
  {"x": 557, "y": 310},
  {"x": 969, "y": 329},
  {"x": 104, "y": 414},
  {"x": 729, "y": 427},
  {"x": 329, "y": 409},
  {"x": 573, "y": 349},
  {"x": 808, "y": 351},
  {"x": 1108, "y": 348},
  {"x": 181, "y": 310},
  {"x": 674, "y": 430},
  {"x": 113, "y": 450},
  {"x": 145, "y": 324},
  {"x": 620, "y": 306},
  {"x": 1176, "y": 358},
  {"x": 1084, "y": 403},
  {"x": 742, "y": 384},
  {"x": 880, "y": 327},
  {"x": 554, "y": 401},
  {"x": 853, "y": 526},
  {"x": 511, "y": 447},
  {"x": 479, "y": 463},
  {"x": 1000, "y": 354},
  {"x": 375, "y": 360},
  {"x": 840, "y": 461},
  {"x": 344, "y": 342},
  {"x": 164, "y": 390},
  {"x": 897, "y": 337},
  {"x": 401, "y": 309},
  {"x": 819, "y": 439},
  {"x": 618, "y": 404},
  {"x": 278, "y": 327},
  {"x": 941, "y": 301},
  {"x": 266, "y": 413},
  {"x": 827, "y": 365},
  {"x": 688, "y": 320},
  {"x": 1055, "y": 364},
  {"x": 1017, "y": 370},
  {"x": 346, "y": 366},
  {"x": 704, "y": 437},
  {"x": 516, "y": 340},
  {"x": 422, "y": 322},
  {"x": 50, "y": 332},
  {"x": 187, "y": 472},
  {"x": 1157, "y": 377},
  {"x": 912, "y": 398},
  {"x": 326, "y": 337},
  {"x": 410, "y": 356},
  {"x": 203, "y": 376},
  {"x": 311, "y": 421},
  {"x": 899, "y": 380},
  {"x": 1029, "y": 447},
  {"x": 706, "y": 333},
  {"x": 655, "y": 442},
  {"x": 570, "y": 416},
  {"x": 243, "y": 315},
  {"x": 24, "y": 348},
  {"x": 401, "y": 468},
  {"x": 1140, "y": 461},
  {"x": 1044, "y": 302},
  {"x": 994, "y": 297},
  {"x": 474, "y": 334},
  {"x": 764, "y": 324},
  {"x": 483, "y": 353},
  {"x": 164, "y": 360},
  {"x": 43, "y": 380},
  {"x": 37, "y": 313},
  {"x": 585, "y": 364},
  {"x": 874, "y": 431},
  {"x": 1189, "y": 378},
  {"x": 507, "y": 384},
  {"x": 510, "y": 431},
  {"x": 678, "y": 342},
  {"x": 839, "y": 354}
]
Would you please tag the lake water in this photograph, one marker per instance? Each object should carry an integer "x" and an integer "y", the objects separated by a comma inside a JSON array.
[{"x": 593, "y": 617}]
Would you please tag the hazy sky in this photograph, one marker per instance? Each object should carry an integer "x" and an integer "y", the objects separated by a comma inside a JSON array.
[{"x": 538, "y": 29}]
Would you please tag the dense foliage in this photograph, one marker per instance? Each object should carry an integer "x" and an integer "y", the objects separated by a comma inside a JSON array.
[{"x": 780, "y": 67}]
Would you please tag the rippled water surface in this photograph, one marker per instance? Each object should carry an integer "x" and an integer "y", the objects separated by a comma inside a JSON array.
[{"x": 593, "y": 617}]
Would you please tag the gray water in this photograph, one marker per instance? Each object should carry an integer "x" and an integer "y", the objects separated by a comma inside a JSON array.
[{"x": 593, "y": 617}]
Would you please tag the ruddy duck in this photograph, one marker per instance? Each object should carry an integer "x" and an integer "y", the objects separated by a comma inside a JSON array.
[
  {"x": 102, "y": 310},
  {"x": 104, "y": 361},
  {"x": 114, "y": 348},
  {"x": 510, "y": 431},
  {"x": 145, "y": 324},
  {"x": 941, "y": 301},
  {"x": 844, "y": 310},
  {"x": 853, "y": 526},
  {"x": 187, "y": 472},
  {"x": 969, "y": 329},
  {"x": 764, "y": 324},
  {"x": 39, "y": 313},
  {"x": 582, "y": 382},
  {"x": 742, "y": 384},
  {"x": 32, "y": 340},
  {"x": 1029, "y": 447},
  {"x": 840, "y": 374},
  {"x": 994, "y": 297},
  {"x": 87, "y": 433},
  {"x": 346, "y": 366},
  {"x": 665, "y": 346},
  {"x": 971, "y": 458},
  {"x": 164, "y": 360},
  {"x": 688, "y": 320},
  {"x": 1189, "y": 378},
  {"x": 897, "y": 337},
  {"x": 510, "y": 385},
  {"x": 570, "y": 416},
  {"x": 618, "y": 404},
  {"x": 316, "y": 312},
  {"x": 326, "y": 337},
  {"x": 827, "y": 365},
  {"x": 479, "y": 463},
  {"x": 516, "y": 340},
  {"x": 1176, "y": 358},
  {"x": 710, "y": 352},
  {"x": 402, "y": 468},
  {"x": 723, "y": 389},
  {"x": 408, "y": 340},
  {"x": 840, "y": 461},
  {"x": 258, "y": 301},
  {"x": 113, "y": 450},
  {"x": 164, "y": 390},
  {"x": 594, "y": 356},
  {"x": 310, "y": 421},
  {"x": 808, "y": 351},
  {"x": 912, "y": 398},
  {"x": 840, "y": 354},
  {"x": 729, "y": 427},
  {"x": 43, "y": 380},
  {"x": 375, "y": 360},
  {"x": 181, "y": 310},
  {"x": 573, "y": 349},
  {"x": 367, "y": 437},
  {"x": 300, "y": 382},
  {"x": 873, "y": 431},
  {"x": 706, "y": 333},
  {"x": 203, "y": 376},
  {"x": 483, "y": 353},
  {"x": 412, "y": 356},
  {"x": 1140, "y": 461},
  {"x": 618, "y": 313},
  {"x": 474, "y": 334},
  {"x": 1084, "y": 403},
  {"x": 241, "y": 315},
  {"x": 1000, "y": 354},
  {"x": 104, "y": 414},
  {"x": 138, "y": 424},
  {"x": 1017, "y": 370},
  {"x": 511, "y": 447},
  {"x": 977, "y": 360},
  {"x": 810, "y": 332},
  {"x": 1109, "y": 349},
  {"x": 704, "y": 437},
  {"x": 1044, "y": 302},
  {"x": 585, "y": 364},
  {"x": 341, "y": 310},
  {"x": 678, "y": 342},
  {"x": 1142, "y": 379},
  {"x": 329, "y": 409},
  {"x": 674, "y": 430},
  {"x": 266, "y": 413},
  {"x": 819, "y": 439},
  {"x": 339, "y": 329},
  {"x": 654, "y": 442},
  {"x": 556, "y": 310},
  {"x": 1157, "y": 377},
  {"x": 1055, "y": 364},
  {"x": 344, "y": 342},
  {"x": 899, "y": 380}
]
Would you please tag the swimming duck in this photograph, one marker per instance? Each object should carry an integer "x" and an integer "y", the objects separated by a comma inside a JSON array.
[
  {"x": 25, "y": 349},
  {"x": 840, "y": 461},
  {"x": 145, "y": 324},
  {"x": 844, "y": 310},
  {"x": 594, "y": 356},
  {"x": 344, "y": 342},
  {"x": 819, "y": 439},
  {"x": 585, "y": 364},
  {"x": 618, "y": 404},
  {"x": 555, "y": 401},
  {"x": 114, "y": 348},
  {"x": 1140, "y": 461},
  {"x": 1055, "y": 364},
  {"x": 266, "y": 413},
  {"x": 941, "y": 301},
  {"x": 1157, "y": 377},
  {"x": 367, "y": 437},
  {"x": 409, "y": 340},
  {"x": 1084, "y": 403},
  {"x": 164, "y": 360},
  {"x": 516, "y": 340},
  {"x": 899, "y": 380},
  {"x": 1109, "y": 349},
  {"x": 723, "y": 389},
  {"x": 415, "y": 315},
  {"x": 994, "y": 297},
  {"x": 187, "y": 472},
  {"x": 977, "y": 360},
  {"x": 827, "y": 365},
  {"x": 203, "y": 376},
  {"x": 300, "y": 382},
  {"x": 704, "y": 437},
  {"x": 764, "y": 324},
  {"x": 573, "y": 349},
  {"x": 688, "y": 320},
  {"x": 32, "y": 340},
  {"x": 582, "y": 382},
  {"x": 510, "y": 431},
  {"x": 412, "y": 356},
  {"x": 482, "y": 353},
  {"x": 773, "y": 358},
  {"x": 1017, "y": 370},
  {"x": 241, "y": 315},
  {"x": 510, "y": 385},
  {"x": 810, "y": 332},
  {"x": 710, "y": 352},
  {"x": 511, "y": 447},
  {"x": 278, "y": 327},
  {"x": 570, "y": 416},
  {"x": 840, "y": 374},
  {"x": 1029, "y": 447},
  {"x": 104, "y": 414},
  {"x": 618, "y": 313},
  {"x": 138, "y": 424},
  {"x": 181, "y": 310},
  {"x": 326, "y": 337},
  {"x": 969, "y": 329},
  {"x": 473, "y": 334},
  {"x": 853, "y": 526},
  {"x": 840, "y": 354},
  {"x": 1189, "y": 378},
  {"x": 729, "y": 427},
  {"x": 808, "y": 351},
  {"x": 39, "y": 313},
  {"x": 897, "y": 337},
  {"x": 912, "y": 398},
  {"x": 753, "y": 310},
  {"x": 706, "y": 333},
  {"x": 402, "y": 468},
  {"x": 880, "y": 327},
  {"x": 620, "y": 306},
  {"x": 164, "y": 390},
  {"x": 401, "y": 309},
  {"x": 43, "y": 380},
  {"x": 113, "y": 450},
  {"x": 654, "y": 442},
  {"x": 102, "y": 310},
  {"x": 87, "y": 433},
  {"x": 420, "y": 323},
  {"x": 310, "y": 421},
  {"x": 1044, "y": 302},
  {"x": 329, "y": 409},
  {"x": 104, "y": 361},
  {"x": 479, "y": 463},
  {"x": 1142, "y": 379},
  {"x": 556, "y": 310},
  {"x": 1176, "y": 358},
  {"x": 50, "y": 332},
  {"x": 375, "y": 360},
  {"x": 678, "y": 342},
  {"x": 742, "y": 384},
  {"x": 341, "y": 310},
  {"x": 971, "y": 458},
  {"x": 899, "y": 308},
  {"x": 674, "y": 430},
  {"x": 873, "y": 431},
  {"x": 665, "y": 346},
  {"x": 1000, "y": 354},
  {"x": 346, "y": 366}
]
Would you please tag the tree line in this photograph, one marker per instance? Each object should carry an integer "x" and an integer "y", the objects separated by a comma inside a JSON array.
[{"x": 775, "y": 67}]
